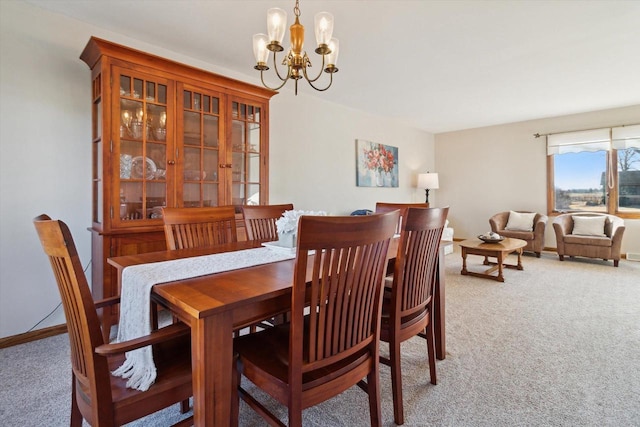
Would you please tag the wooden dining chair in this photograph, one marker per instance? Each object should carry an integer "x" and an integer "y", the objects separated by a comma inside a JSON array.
[
  {"x": 382, "y": 207},
  {"x": 407, "y": 308},
  {"x": 199, "y": 227},
  {"x": 260, "y": 224},
  {"x": 319, "y": 355},
  {"x": 96, "y": 395},
  {"x": 260, "y": 220}
]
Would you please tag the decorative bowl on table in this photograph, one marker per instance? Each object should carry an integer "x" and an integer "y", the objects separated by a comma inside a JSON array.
[{"x": 491, "y": 238}]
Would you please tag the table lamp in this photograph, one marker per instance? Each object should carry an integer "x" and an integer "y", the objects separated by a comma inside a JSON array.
[{"x": 428, "y": 181}]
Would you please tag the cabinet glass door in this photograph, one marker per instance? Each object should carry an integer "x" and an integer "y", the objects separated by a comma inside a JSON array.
[
  {"x": 97, "y": 151},
  {"x": 144, "y": 132},
  {"x": 200, "y": 126},
  {"x": 246, "y": 154}
]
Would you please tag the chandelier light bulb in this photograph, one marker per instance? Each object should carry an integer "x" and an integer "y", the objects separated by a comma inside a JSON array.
[
  {"x": 332, "y": 58},
  {"x": 324, "y": 27},
  {"x": 276, "y": 24},
  {"x": 260, "y": 51}
]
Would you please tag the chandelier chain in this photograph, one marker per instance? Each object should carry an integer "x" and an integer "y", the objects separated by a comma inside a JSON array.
[{"x": 296, "y": 9}]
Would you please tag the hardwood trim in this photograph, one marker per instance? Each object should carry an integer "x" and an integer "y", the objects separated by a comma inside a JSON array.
[
  {"x": 550, "y": 189},
  {"x": 97, "y": 48},
  {"x": 33, "y": 335}
]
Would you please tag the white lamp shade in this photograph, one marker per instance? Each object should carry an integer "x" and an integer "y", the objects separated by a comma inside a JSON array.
[
  {"x": 332, "y": 58},
  {"x": 323, "y": 27},
  {"x": 428, "y": 181},
  {"x": 276, "y": 24},
  {"x": 260, "y": 51}
]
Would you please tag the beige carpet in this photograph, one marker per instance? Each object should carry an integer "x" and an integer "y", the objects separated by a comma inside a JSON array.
[{"x": 557, "y": 344}]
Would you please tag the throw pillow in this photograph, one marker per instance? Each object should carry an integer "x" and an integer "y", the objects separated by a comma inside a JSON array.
[
  {"x": 588, "y": 225},
  {"x": 520, "y": 221}
]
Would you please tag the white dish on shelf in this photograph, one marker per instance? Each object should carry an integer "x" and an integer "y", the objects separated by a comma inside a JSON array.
[{"x": 137, "y": 168}]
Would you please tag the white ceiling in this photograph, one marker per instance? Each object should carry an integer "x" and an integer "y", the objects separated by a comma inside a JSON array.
[{"x": 438, "y": 65}]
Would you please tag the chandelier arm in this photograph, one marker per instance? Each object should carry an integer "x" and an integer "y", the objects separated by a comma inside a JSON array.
[
  {"x": 275, "y": 67},
  {"x": 284, "y": 81},
  {"x": 328, "y": 86},
  {"x": 304, "y": 71}
]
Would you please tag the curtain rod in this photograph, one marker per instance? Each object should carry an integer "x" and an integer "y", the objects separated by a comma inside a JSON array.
[{"x": 538, "y": 135}]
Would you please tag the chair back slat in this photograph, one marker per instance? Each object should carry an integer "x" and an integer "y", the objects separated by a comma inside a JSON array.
[
  {"x": 260, "y": 220},
  {"x": 345, "y": 289},
  {"x": 199, "y": 227},
  {"x": 82, "y": 319},
  {"x": 416, "y": 262}
]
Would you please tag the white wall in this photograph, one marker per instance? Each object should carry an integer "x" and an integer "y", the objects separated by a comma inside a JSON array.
[
  {"x": 492, "y": 169},
  {"x": 45, "y": 157},
  {"x": 313, "y": 150}
]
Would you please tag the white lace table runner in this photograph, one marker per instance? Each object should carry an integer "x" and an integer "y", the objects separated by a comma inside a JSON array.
[{"x": 135, "y": 300}]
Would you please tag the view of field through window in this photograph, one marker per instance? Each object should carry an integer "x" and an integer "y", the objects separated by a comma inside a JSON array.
[{"x": 580, "y": 181}]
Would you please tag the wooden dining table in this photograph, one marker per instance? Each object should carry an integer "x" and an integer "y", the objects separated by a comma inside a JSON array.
[{"x": 215, "y": 305}]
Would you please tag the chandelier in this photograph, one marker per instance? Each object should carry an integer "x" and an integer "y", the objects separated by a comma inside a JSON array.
[{"x": 296, "y": 60}]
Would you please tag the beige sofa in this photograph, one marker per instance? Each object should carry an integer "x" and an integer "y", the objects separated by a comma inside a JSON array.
[
  {"x": 606, "y": 246},
  {"x": 534, "y": 238}
]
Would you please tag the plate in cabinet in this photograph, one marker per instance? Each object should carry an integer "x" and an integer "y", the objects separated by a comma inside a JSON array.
[{"x": 138, "y": 170}]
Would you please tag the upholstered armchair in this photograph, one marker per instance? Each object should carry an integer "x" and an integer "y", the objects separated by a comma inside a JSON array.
[
  {"x": 527, "y": 226},
  {"x": 589, "y": 235}
]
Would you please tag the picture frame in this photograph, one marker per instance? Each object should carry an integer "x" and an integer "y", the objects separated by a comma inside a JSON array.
[{"x": 376, "y": 164}]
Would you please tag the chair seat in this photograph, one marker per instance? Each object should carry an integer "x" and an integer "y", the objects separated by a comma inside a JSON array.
[
  {"x": 173, "y": 364},
  {"x": 269, "y": 349},
  {"x": 572, "y": 239},
  {"x": 409, "y": 326}
]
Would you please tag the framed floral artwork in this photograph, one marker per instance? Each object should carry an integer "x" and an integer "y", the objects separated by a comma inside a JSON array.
[{"x": 376, "y": 164}]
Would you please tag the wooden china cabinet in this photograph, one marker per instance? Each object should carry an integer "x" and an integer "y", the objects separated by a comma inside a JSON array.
[{"x": 166, "y": 134}]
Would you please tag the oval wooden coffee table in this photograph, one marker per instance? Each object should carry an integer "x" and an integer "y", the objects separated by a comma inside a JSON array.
[{"x": 495, "y": 250}]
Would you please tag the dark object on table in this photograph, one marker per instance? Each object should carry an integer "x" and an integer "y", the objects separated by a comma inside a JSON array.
[{"x": 361, "y": 212}]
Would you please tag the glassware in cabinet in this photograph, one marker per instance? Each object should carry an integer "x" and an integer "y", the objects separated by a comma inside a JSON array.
[
  {"x": 143, "y": 140},
  {"x": 201, "y": 148},
  {"x": 246, "y": 137}
]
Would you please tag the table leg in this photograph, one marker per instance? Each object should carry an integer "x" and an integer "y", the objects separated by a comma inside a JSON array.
[
  {"x": 107, "y": 321},
  {"x": 500, "y": 277},
  {"x": 464, "y": 261},
  {"x": 520, "y": 267},
  {"x": 211, "y": 359},
  {"x": 439, "y": 309}
]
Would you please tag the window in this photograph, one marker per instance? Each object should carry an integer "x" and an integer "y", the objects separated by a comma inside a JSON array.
[{"x": 595, "y": 171}]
